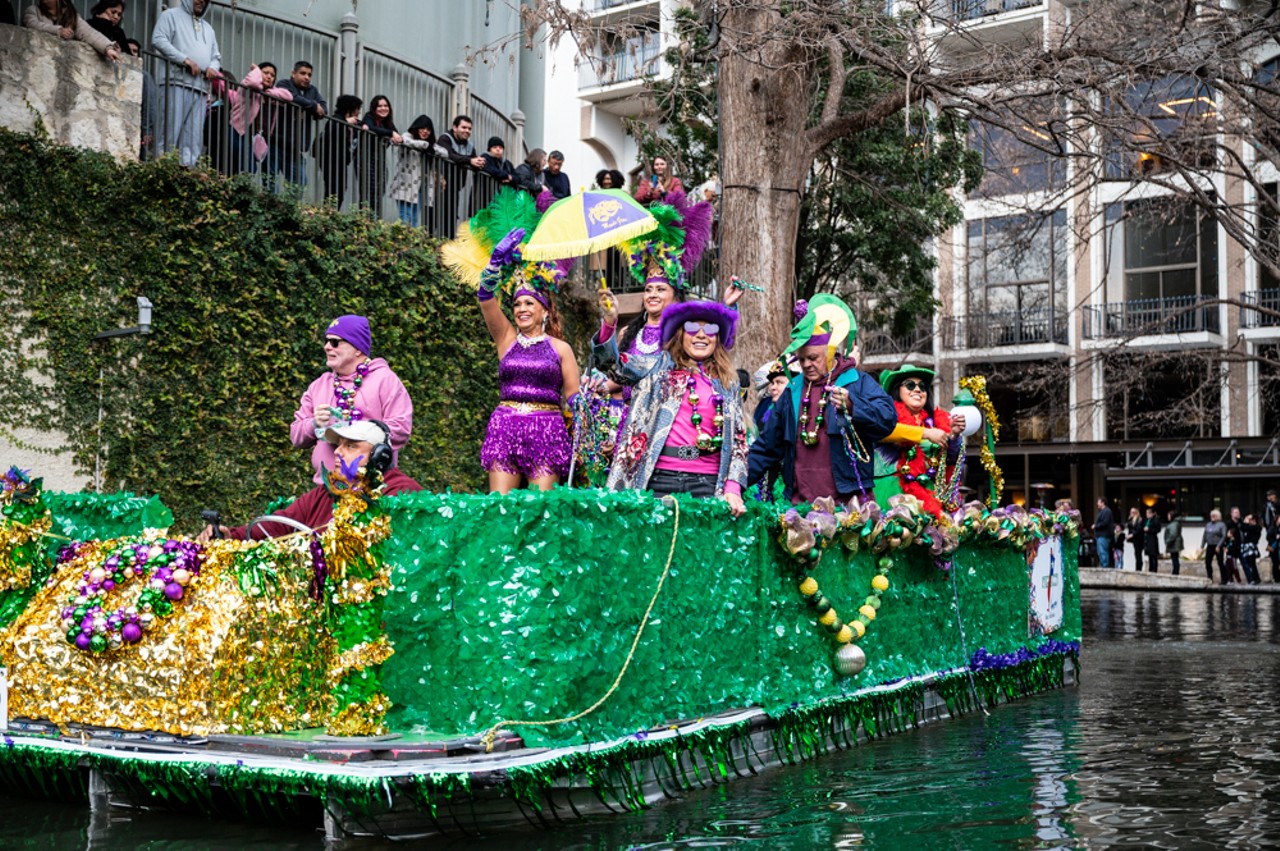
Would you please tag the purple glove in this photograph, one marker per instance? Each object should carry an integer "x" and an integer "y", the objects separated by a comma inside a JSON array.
[{"x": 507, "y": 251}]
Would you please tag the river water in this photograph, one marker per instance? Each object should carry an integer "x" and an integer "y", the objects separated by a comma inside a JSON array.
[{"x": 1172, "y": 740}]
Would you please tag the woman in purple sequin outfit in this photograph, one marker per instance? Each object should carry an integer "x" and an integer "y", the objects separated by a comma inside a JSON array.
[{"x": 527, "y": 442}]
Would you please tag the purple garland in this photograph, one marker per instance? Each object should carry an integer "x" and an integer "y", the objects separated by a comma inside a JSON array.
[{"x": 983, "y": 660}]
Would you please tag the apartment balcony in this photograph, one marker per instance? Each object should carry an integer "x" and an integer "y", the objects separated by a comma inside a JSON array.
[
  {"x": 1007, "y": 333},
  {"x": 608, "y": 9},
  {"x": 884, "y": 346},
  {"x": 615, "y": 82},
  {"x": 1260, "y": 313},
  {"x": 965, "y": 26},
  {"x": 1156, "y": 322}
]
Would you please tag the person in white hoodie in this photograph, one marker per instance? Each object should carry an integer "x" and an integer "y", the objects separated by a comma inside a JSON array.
[{"x": 183, "y": 37}]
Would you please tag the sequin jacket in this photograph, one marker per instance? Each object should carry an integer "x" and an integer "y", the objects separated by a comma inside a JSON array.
[{"x": 659, "y": 391}]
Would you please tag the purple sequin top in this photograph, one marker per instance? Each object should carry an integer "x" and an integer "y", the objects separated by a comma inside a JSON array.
[
  {"x": 651, "y": 336},
  {"x": 531, "y": 373}
]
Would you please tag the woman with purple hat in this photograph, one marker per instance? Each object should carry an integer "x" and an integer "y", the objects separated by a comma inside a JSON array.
[
  {"x": 527, "y": 442},
  {"x": 356, "y": 387},
  {"x": 686, "y": 432}
]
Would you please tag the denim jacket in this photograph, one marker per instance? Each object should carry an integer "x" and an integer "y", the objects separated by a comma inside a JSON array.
[{"x": 659, "y": 391}]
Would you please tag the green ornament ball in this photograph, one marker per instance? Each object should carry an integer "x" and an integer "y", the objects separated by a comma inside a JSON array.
[
  {"x": 72, "y": 634},
  {"x": 822, "y": 604},
  {"x": 163, "y": 608},
  {"x": 97, "y": 644},
  {"x": 814, "y": 553},
  {"x": 885, "y": 562},
  {"x": 874, "y": 601}
]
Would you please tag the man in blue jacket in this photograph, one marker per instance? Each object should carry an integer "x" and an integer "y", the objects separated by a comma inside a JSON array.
[{"x": 825, "y": 426}]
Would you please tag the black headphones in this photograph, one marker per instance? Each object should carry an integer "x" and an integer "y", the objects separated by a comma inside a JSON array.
[{"x": 382, "y": 456}]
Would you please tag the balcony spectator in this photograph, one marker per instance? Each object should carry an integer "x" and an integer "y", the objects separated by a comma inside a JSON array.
[
  {"x": 252, "y": 121},
  {"x": 1173, "y": 540},
  {"x": 528, "y": 175},
  {"x": 415, "y": 182},
  {"x": 653, "y": 189},
  {"x": 380, "y": 126},
  {"x": 610, "y": 178},
  {"x": 150, "y": 105},
  {"x": 496, "y": 165},
  {"x": 1104, "y": 533},
  {"x": 58, "y": 17},
  {"x": 555, "y": 178},
  {"x": 1133, "y": 534},
  {"x": 182, "y": 36},
  {"x": 294, "y": 138},
  {"x": 105, "y": 17},
  {"x": 1151, "y": 540},
  {"x": 464, "y": 158},
  {"x": 335, "y": 146}
]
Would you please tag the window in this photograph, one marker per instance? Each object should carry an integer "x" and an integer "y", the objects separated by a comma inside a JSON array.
[
  {"x": 1017, "y": 280},
  {"x": 1168, "y": 250},
  {"x": 1268, "y": 243},
  {"x": 1160, "y": 396},
  {"x": 1029, "y": 158},
  {"x": 1030, "y": 398},
  {"x": 1161, "y": 125}
]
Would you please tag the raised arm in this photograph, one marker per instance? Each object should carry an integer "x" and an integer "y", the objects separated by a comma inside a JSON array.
[{"x": 505, "y": 253}]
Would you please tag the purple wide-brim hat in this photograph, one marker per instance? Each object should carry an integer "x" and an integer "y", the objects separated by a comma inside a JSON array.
[{"x": 680, "y": 312}]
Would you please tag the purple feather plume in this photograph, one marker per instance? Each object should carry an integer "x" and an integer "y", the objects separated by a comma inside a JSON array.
[
  {"x": 352, "y": 470},
  {"x": 696, "y": 221},
  {"x": 544, "y": 200}
]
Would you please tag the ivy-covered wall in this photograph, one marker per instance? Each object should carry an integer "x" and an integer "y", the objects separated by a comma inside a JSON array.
[{"x": 243, "y": 286}]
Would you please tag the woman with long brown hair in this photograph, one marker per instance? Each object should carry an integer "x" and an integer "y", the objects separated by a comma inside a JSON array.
[{"x": 686, "y": 432}]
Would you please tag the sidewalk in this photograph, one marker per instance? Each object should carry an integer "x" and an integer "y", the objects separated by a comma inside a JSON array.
[{"x": 1188, "y": 580}]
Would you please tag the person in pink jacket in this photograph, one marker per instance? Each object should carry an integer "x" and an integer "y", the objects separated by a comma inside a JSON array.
[
  {"x": 249, "y": 139},
  {"x": 356, "y": 387}
]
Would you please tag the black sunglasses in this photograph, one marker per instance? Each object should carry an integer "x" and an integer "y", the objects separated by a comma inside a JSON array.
[
  {"x": 333, "y": 342},
  {"x": 915, "y": 385}
]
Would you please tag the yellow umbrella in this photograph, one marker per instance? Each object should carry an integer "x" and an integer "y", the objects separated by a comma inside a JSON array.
[{"x": 588, "y": 222}]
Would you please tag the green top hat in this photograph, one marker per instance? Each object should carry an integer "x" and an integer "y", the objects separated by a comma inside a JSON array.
[{"x": 828, "y": 316}]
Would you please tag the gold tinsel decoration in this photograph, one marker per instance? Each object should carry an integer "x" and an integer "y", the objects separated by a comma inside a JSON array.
[
  {"x": 12, "y": 536},
  {"x": 977, "y": 385},
  {"x": 363, "y": 655},
  {"x": 361, "y": 718}
]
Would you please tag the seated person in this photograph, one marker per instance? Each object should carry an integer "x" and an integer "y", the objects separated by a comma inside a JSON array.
[{"x": 363, "y": 445}]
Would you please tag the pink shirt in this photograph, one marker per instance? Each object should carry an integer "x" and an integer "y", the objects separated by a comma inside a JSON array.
[{"x": 683, "y": 433}]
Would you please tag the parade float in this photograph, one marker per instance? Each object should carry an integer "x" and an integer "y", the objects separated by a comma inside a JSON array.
[{"x": 445, "y": 663}]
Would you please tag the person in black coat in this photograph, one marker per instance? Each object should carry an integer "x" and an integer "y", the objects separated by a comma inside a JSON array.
[
  {"x": 380, "y": 126},
  {"x": 528, "y": 175},
  {"x": 496, "y": 165},
  {"x": 335, "y": 145},
  {"x": 1151, "y": 539},
  {"x": 1133, "y": 533}
]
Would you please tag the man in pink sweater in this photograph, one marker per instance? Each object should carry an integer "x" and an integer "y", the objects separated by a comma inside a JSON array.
[{"x": 356, "y": 387}]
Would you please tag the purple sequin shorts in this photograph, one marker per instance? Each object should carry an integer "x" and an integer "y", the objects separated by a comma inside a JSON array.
[{"x": 529, "y": 445}]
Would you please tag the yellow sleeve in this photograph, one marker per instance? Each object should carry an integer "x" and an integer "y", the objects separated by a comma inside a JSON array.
[{"x": 905, "y": 435}]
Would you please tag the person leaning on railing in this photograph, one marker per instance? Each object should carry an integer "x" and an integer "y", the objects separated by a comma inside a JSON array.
[
  {"x": 371, "y": 167},
  {"x": 249, "y": 135},
  {"x": 414, "y": 185},
  {"x": 188, "y": 42},
  {"x": 528, "y": 175},
  {"x": 105, "y": 17},
  {"x": 294, "y": 138},
  {"x": 58, "y": 17},
  {"x": 335, "y": 145}
]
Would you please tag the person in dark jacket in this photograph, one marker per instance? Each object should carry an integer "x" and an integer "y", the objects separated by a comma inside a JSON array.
[
  {"x": 105, "y": 17},
  {"x": 528, "y": 175},
  {"x": 555, "y": 178},
  {"x": 457, "y": 202},
  {"x": 380, "y": 130},
  {"x": 1249, "y": 533},
  {"x": 1104, "y": 533},
  {"x": 1151, "y": 540},
  {"x": 335, "y": 146},
  {"x": 361, "y": 445},
  {"x": 825, "y": 427},
  {"x": 293, "y": 137},
  {"x": 496, "y": 165},
  {"x": 1133, "y": 535}
]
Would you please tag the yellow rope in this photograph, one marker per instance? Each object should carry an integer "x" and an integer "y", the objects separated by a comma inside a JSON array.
[{"x": 489, "y": 737}]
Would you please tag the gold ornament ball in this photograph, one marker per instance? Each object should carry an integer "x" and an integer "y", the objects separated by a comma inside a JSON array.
[
  {"x": 880, "y": 583},
  {"x": 867, "y": 612},
  {"x": 850, "y": 660},
  {"x": 809, "y": 586}
]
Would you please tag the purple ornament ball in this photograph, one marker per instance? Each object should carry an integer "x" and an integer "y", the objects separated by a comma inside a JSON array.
[
  {"x": 173, "y": 591},
  {"x": 109, "y": 584},
  {"x": 83, "y": 641},
  {"x": 131, "y": 633}
]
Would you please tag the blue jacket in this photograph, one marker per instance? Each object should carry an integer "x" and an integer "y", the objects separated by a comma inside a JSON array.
[{"x": 873, "y": 418}]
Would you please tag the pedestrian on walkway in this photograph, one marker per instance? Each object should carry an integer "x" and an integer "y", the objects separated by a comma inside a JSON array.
[
  {"x": 1215, "y": 536},
  {"x": 1151, "y": 540},
  {"x": 1173, "y": 539},
  {"x": 1104, "y": 533},
  {"x": 1133, "y": 533},
  {"x": 1250, "y": 533}
]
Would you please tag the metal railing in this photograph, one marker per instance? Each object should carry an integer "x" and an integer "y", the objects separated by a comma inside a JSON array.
[
  {"x": 960, "y": 11},
  {"x": 875, "y": 342},
  {"x": 604, "y": 5},
  {"x": 1260, "y": 309},
  {"x": 620, "y": 67},
  {"x": 1140, "y": 317},
  {"x": 412, "y": 90},
  {"x": 1004, "y": 328}
]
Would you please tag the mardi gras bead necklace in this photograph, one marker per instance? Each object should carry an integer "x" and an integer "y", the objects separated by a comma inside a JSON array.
[
  {"x": 932, "y": 460},
  {"x": 810, "y": 438},
  {"x": 706, "y": 441},
  {"x": 344, "y": 398}
]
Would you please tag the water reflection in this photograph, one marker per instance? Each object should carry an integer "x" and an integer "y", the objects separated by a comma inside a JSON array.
[{"x": 1169, "y": 742}]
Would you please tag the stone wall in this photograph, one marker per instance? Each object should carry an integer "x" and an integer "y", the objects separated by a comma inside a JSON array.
[{"x": 84, "y": 100}]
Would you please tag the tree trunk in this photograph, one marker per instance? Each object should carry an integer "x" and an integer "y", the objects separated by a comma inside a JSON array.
[{"x": 765, "y": 96}]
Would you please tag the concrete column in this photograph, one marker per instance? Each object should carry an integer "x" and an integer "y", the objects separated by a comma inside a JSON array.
[
  {"x": 349, "y": 51},
  {"x": 517, "y": 151},
  {"x": 461, "y": 92}
]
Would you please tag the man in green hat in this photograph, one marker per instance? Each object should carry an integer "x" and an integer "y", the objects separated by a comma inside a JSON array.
[{"x": 825, "y": 427}]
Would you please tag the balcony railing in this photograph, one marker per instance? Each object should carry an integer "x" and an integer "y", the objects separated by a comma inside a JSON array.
[
  {"x": 1261, "y": 309},
  {"x": 1143, "y": 317},
  {"x": 605, "y": 5},
  {"x": 876, "y": 342},
  {"x": 959, "y": 11},
  {"x": 1004, "y": 328},
  {"x": 621, "y": 67}
]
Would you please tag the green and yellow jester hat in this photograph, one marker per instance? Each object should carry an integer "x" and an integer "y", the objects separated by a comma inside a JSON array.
[{"x": 829, "y": 322}]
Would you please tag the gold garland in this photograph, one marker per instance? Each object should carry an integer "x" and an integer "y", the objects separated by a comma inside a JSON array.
[
  {"x": 977, "y": 385},
  {"x": 12, "y": 536},
  {"x": 362, "y": 718},
  {"x": 364, "y": 655}
]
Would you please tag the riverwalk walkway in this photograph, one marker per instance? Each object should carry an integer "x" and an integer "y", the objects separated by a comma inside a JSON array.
[{"x": 1192, "y": 579}]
